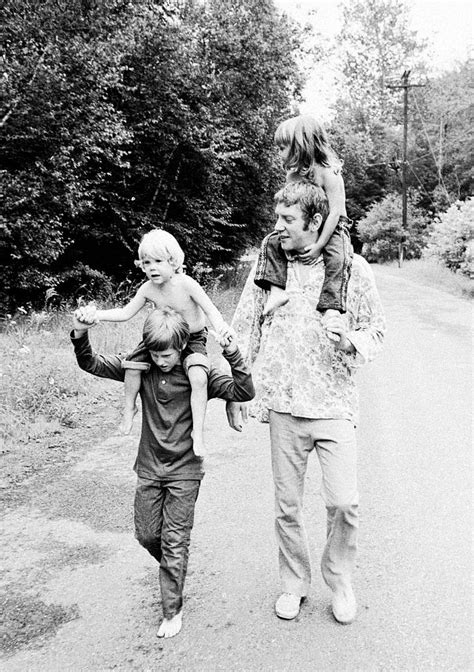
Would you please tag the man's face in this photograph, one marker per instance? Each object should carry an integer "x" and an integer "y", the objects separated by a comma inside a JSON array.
[
  {"x": 165, "y": 360},
  {"x": 291, "y": 227}
]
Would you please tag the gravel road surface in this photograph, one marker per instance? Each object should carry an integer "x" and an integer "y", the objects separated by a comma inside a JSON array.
[{"x": 82, "y": 595}]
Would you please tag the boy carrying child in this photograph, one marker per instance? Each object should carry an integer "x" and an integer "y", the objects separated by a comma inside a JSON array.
[{"x": 169, "y": 473}]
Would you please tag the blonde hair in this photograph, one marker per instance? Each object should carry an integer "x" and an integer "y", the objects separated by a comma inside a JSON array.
[
  {"x": 308, "y": 145},
  {"x": 165, "y": 328},
  {"x": 159, "y": 244}
]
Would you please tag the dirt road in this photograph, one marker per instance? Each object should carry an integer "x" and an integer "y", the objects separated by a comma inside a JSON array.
[{"x": 81, "y": 595}]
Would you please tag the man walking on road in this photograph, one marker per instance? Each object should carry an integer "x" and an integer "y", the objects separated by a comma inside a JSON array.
[{"x": 305, "y": 390}]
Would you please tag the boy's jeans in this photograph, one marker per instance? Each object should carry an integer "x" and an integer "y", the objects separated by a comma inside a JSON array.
[
  {"x": 292, "y": 440},
  {"x": 164, "y": 517}
]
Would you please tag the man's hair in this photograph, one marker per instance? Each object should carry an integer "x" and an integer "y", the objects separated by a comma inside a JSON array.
[
  {"x": 159, "y": 244},
  {"x": 164, "y": 328},
  {"x": 311, "y": 198}
]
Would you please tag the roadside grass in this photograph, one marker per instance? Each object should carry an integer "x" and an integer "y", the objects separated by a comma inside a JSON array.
[
  {"x": 432, "y": 274},
  {"x": 43, "y": 393}
]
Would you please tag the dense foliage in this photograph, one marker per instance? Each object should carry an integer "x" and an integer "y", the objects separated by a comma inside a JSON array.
[
  {"x": 127, "y": 116},
  {"x": 381, "y": 231},
  {"x": 122, "y": 116},
  {"x": 452, "y": 238}
]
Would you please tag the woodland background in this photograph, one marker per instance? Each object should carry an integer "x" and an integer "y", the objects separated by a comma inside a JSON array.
[{"x": 122, "y": 116}]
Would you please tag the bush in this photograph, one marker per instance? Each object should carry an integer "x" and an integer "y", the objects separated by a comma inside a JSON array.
[
  {"x": 381, "y": 231},
  {"x": 451, "y": 239}
]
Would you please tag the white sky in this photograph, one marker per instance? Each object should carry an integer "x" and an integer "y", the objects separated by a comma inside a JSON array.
[{"x": 446, "y": 24}]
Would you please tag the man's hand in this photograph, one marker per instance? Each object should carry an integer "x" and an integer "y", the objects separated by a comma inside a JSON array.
[
  {"x": 237, "y": 414},
  {"x": 310, "y": 254},
  {"x": 334, "y": 323}
]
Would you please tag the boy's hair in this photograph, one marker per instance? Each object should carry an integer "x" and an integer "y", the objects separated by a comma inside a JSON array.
[
  {"x": 159, "y": 244},
  {"x": 164, "y": 328},
  {"x": 311, "y": 198},
  {"x": 308, "y": 143}
]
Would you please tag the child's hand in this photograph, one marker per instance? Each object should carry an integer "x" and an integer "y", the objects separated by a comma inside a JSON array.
[
  {"x": 311, "y": 254},
  {"x": 87, "y": 314}
]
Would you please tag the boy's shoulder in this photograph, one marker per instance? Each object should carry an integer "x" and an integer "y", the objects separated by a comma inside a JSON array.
[{"x": 146, "y": 289}]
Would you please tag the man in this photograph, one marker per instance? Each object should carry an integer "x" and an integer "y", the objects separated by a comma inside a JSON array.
[
  {"x": 169, "y": 473},
  {"x": 305, "y": 389}
]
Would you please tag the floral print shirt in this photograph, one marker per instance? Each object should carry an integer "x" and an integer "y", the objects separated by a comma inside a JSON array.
[{"x": 297, "y": 369}]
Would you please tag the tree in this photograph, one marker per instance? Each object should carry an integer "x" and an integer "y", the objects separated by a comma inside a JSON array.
[
  {"x": 377, "y": 46},
  {"x": 381, "y": 230},
  {"x": 126, "y": 116}
]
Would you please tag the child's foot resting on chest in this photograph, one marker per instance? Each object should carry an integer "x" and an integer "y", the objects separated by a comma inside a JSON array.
[
  {"x": 171, "y": 626},
  {"x": 277, "y": 298},
  {"x": 127, "y": 420},
  {"x": 330, "y": 313}
]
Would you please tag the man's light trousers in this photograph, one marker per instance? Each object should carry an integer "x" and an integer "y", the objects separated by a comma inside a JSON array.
[{"x": 292, "y": 440}]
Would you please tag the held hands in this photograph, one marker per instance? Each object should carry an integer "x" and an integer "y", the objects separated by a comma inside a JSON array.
[
  {"x": 225, "y": 337},
  {"x": 311, "y": 254},
  {"x": 87, "y": 315}
]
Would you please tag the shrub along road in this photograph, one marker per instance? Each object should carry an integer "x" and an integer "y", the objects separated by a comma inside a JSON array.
[{"x": 80, "y": 594}]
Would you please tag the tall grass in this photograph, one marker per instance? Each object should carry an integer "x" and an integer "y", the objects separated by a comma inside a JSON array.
[{"x": 42, "y": 390}]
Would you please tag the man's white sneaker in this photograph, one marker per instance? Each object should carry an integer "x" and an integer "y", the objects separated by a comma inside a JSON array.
[
  {"x": 288, "y": 606},
  {"x": 344, "y": 605}
]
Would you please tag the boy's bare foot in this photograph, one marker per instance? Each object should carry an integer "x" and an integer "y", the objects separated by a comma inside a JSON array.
[
  {"x": 127, "y": 420},
  {"x": 171, "y": 626},
  {"x": 199, "y": 446},
  {"x": 278, "y": 297}
]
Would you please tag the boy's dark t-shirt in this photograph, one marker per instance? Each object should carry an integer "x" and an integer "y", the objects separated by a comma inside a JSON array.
[{"x": 165, "y": 448}]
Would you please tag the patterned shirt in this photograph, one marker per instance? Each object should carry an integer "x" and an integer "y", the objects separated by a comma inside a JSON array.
[{"x": 298, "y": 370}]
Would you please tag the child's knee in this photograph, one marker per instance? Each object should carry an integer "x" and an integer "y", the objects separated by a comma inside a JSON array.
[{"x": 197, "y": 376}]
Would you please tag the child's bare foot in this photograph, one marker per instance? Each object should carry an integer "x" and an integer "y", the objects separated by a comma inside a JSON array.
[
  {"x": 171, "y": 626},
  {"x": 327, "y": 315},
  {"x": 278, "y": 297},
  {"x": 199, "y": 446},
  {"x": 127, "y": 420}
]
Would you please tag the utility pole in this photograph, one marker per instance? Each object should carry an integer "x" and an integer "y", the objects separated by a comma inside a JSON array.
[{"x": 405, "y": 86}]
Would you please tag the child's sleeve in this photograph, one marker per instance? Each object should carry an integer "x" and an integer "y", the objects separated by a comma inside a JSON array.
[
  {"x": 238, "y": 387},
  {"x": 272, "y": 264},
  {"x": 97, "y": 365}
]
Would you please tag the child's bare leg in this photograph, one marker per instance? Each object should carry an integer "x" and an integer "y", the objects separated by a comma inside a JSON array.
[
  {"x": 198, "y": 379},
  {"x": 171, "y": 626},
  {"x": 132, "y": 383},
  {"x": 331, "y": 312},
  {"x": 277, "y": 298}
]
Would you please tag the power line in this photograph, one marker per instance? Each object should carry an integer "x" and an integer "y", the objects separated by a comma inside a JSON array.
[{"x": 405, "y": 86}]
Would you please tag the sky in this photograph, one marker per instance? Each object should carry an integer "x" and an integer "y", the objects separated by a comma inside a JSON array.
[{"x": 446, "y": 24}]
